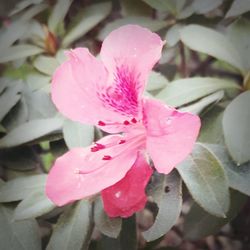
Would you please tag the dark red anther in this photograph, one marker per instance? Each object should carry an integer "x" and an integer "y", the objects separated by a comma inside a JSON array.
[
  {"x": 106, "y": 157},
  {"x": 100, "y": 146},
  {"x": 94, "y": 149},
  {"x": 122, "y": 141},
  {"x": 101, "y": 123},
  {"x": 134, "y": 120},
  {"x": 126, "y": 122}
]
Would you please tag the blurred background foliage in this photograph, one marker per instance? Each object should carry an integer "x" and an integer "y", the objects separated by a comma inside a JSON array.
[{"x": 204, "y": 69}]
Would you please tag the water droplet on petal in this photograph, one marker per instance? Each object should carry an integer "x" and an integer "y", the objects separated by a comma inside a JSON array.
[{"x": 118, "y": 194}]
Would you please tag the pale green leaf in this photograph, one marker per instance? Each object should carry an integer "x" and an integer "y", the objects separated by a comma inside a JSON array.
[
  {"x": 153, "y": 25},
  {"x": 58, "y": 14},
  {"x": 34, "y": 205},
  {"x": 205, "y": 6},
  {"x": 46, "y": 64},
  {"x": 162, "y": 5},
  {"x": 211, "y": 42},
  {"x": 135, "y": 8},
  {"x": 18, "y": 235},
  {"x": 238, "y": 7},
  {"x": 74, "y": 227},
  {"x": 183, "y": 91},
  {"x": 9, "y": 98},
  {"x": 236, "y": 122},
  {"x": 107, "y": 226},
  {"x": 86, "y": 20},
  {"x": 33, "y": 11},
  {"x": 238, "y": 176},
  {"x": 156, "y": 81},
  {"x": 206, "y": 180},
  {"x": 77, "y": 134},
  {"x": 199, "y": 224},
  {"x": 30, "y": 131},
  {"x": 169, "y": 204},
  {"x": 199, "y": 106},
  {"x": 22, "y": 187},
  {"x": 16, "y": 52}
]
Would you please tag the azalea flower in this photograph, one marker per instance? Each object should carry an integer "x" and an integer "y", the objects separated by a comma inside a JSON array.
[{"x": 108, "y": 93}]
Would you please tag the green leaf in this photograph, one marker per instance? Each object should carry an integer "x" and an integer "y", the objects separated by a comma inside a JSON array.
[
  {"x": 107, "y": 226},
  {"x": 183, "y": 91},
  {"x": 21, "y": 5},
  {"x": 169, "y": 204},
  {"x": 9, "y": 98},
  {"x": 34, "y": 205},
  {"x": 18, "y": 235},
  {"x": 28, "y": 14},
  {"x": 46, "y": 64},
  {"x": 58, "y": 14},
  {"x": 199, "y": 224},
  {"x": 238, "y": 176},
  {"x": 211, "y": 42},
  {"x": 16, "y": 52},
  {"x": 173, "y": 35},
  {"x": 85, "y": 21},
  {"x": 153, "y": 25},
  {"x": 211, "y": 128},
  {"x": 10, "y": 34},
  {"x": 238, "y": 7},
  {"x": 206, "y": 180},
  {"x": 238, "y": 33},
  {"x": 205, "y": 6},
  {"x": 77, "y": 135},
  {"x": 162, "y": 5},
  {"x": 156, "y": 81},
  {"x": 198, "y": 107},
  {"x": 236, "y": 122},
  {"x": 20, "y": 188},
  {"x": 135, "y": 8},
  {"x": 74, "y": 227},
  {"x": 31, "y": 131}
]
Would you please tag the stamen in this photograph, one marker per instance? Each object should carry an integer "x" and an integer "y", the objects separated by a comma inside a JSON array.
[
  {"x": 134, "y": 120},
  {"x": 126, "y": 122},
  {"x": 122, "y": 141},
  {"x": 97, "y": 147},
  {"x": 106, "y": 157},
  {"x": 101, "y": 123}
]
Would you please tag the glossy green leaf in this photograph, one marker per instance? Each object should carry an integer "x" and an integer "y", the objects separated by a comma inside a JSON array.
[
  {"x": 211, "y": 42},
  {"x": 169, "y": 204},
  {"x": 34, "y": 205},
  {"x": 77, "y": 134},
  {"x": 153, "y": 25},
  {"x": 206, "y": 180},
  {"x": 238, "y": 7},
  {"x": 16, "y": 52},
  {"x": 30, "y": 131},
  {"x": 18, "y": 235},
  {"x": 20, "y": 188},
  {"x": 238, "y": 176},
  {"x": 199, "y": 224},
  {"x": 58, "y": 14},
  {"x": 85, "y": 21},
  {"x": 183, "y": 91},
  {"x": 74, "y": 227},
  {"x": 110, "y": 227},
  {"x": 46, "y": 64},
  {"x": 9, "y": 98},
  {"x": 236, "y": 122},
  {"x": 156, "y": 81}
]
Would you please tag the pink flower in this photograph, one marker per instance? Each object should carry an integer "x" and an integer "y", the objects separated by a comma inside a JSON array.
[{"x": 108, "y": 94}]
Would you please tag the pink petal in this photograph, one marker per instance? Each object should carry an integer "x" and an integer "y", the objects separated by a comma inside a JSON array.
[
  {"x": 129, "y": 53},
  {"x": 77, "y": 88},
  {"x": 170, "y": 134},
  {"x": 82, "y": 172},
  {"x": 128, "y": 195}
]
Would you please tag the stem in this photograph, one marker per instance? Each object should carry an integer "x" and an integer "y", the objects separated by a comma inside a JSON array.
[{"x": 128, "y": 236}]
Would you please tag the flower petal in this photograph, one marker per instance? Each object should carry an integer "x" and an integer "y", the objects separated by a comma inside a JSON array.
[
  {"x": 128, "y": 195},
  {"x": 170, "y": 134},
  {"x": 129, "y": 53},
  {"x": 82, "y": 172},
  {"x": 76, "y": 87}
]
